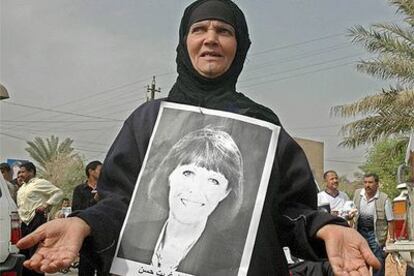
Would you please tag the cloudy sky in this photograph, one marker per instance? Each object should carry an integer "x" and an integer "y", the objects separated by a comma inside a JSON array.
[{"x": 77, "y": 68}]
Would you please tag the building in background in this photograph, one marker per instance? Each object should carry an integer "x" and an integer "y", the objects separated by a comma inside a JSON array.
[{"x": 314, "y": 151}]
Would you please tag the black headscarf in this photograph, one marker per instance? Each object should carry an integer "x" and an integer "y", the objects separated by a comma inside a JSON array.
[{"x": 220, "y": 92}]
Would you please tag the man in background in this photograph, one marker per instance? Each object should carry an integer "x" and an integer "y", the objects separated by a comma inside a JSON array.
[
  {"x": 84, "y": 197},
  {"x": 35, "y": 198},
  {"x": 7, "y": 175},
  {"x": 375, "y": 220},
  {"x": 331, "y": 195}
]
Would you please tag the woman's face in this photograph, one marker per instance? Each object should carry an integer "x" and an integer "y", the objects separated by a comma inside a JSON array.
[
  {"x": 211, "y": 45},
  {"x": 195, "y": 192}
]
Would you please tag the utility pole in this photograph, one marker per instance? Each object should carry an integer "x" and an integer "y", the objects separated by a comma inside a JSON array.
[{"x": 151, "y": 90}]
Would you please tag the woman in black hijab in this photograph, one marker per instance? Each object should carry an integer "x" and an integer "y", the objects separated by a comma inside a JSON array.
[
  {"x": 208, "y": 70},
  {"x": 219, "y": 92}
]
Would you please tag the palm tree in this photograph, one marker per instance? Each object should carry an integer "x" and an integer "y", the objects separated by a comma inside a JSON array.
[
  {"x": 44, "y": 151},
  {"x": 66, "y": 172},
  {"x": 58, "y": 162},
  {"x": 390, "y": 112}
]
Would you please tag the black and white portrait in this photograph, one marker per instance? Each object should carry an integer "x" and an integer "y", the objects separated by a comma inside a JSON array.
[{"x": 198, "y": 198}]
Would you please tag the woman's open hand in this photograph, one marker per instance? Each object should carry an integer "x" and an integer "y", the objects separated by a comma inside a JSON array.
[
  {"x": 348, "y": 252},
  {"x": 59, "y": 242}
]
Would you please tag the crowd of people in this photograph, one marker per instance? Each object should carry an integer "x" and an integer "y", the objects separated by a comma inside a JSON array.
[
  {"x": 370, "y": 211},
  {"x": 35, "y": 198}
]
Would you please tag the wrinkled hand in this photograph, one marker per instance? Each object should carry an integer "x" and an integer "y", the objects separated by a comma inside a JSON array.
[
  {"x": 59, "y": 243},
  {"x": 348, "y": 252}
]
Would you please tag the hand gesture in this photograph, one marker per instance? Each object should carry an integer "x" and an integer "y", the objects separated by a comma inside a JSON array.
[
  {"x": 59, "y": 242},
  {"x": 348, "y": 252}
]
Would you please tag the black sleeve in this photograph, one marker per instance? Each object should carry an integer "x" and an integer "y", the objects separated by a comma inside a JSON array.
[
  {"x": 117, "y": 181},
  {"x": 296, "y": 202},
  {"x": 77, "y": 199}
]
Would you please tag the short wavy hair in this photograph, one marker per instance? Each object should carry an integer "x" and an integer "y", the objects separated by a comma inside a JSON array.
[{"x": 212, "y": 149}]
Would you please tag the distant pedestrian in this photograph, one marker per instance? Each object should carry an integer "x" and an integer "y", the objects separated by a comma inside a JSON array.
[
  {"x": 85, "y": 196},
  {"x": 7, "y": 175},
  {"x": 332, "y": 195},
  {"x": 374, "y": 220},
  {"x": 34, "y": 199}
]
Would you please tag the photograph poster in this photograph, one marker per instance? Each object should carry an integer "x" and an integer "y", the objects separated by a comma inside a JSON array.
[{"x": 197, "y": 203}]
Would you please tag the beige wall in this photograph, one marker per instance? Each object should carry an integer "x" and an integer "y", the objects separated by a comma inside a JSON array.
[{"x": 314, "y": 151}]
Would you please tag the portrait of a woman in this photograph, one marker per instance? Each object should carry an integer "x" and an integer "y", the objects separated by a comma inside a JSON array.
[{"x": 201, "y": 175}]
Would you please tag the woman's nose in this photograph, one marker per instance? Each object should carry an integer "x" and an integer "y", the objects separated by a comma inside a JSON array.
[
  {"x": 211, "y": 37},
  {"x": 197, "y": 186}
]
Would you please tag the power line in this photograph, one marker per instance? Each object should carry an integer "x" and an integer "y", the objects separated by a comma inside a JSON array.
[
  {"x": 343, "y": 161},
  {"x": 13, "y": 136},
  {"x": 301, "y": 67},
  {"x": 306, "y": 41},
  {"x": 114, "y": 88},
  {"x": 113, "y": 106},
  {"x": 88, "y": 150},
  {"x": 305, "y": 55},
  {"x": 163, "y": 74},
  {"x": 297, "y": 44},
  {"x": 298, "y": 75},
  {"x": 102, "y": 92},
  {"x": 61, "y": 112},
  {"x": 77, "y": 148},
  {"x": 315, "y": 127}
]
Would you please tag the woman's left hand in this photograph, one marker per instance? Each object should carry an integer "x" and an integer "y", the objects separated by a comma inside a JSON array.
[{"x": 348, "y": 252}]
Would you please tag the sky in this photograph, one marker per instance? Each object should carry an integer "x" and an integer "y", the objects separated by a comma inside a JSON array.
[{"x": 78, "y": 68}]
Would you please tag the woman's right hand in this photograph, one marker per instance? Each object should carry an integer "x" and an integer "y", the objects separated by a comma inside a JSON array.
[{"x": 59, "y": 242}]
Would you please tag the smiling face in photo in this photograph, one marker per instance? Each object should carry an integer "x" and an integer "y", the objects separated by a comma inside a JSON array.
[{"x": 195, "y": 192}]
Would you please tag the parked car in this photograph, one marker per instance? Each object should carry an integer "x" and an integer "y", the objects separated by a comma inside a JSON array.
[{"x": 11, "y": 263}]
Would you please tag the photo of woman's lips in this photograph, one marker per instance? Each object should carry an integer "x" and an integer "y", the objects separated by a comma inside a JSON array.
[{"x": 190, "y": 203}]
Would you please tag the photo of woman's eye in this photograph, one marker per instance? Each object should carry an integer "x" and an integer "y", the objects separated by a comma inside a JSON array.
[{"x": 188, "y": 173}]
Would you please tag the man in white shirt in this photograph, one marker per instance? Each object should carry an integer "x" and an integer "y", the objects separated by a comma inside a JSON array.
[
  {"x": 34, "y": 198},
  {"x": 375, "y": 220},
  {"x": 331, "y": 195}
]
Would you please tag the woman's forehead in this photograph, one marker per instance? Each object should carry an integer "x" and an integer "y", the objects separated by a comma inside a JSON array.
[{"x": 212, "y": 22}]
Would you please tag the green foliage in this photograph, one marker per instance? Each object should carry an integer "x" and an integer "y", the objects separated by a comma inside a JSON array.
[
  {"x": 383, "y": 159},
  {"x": 57, "y": 162},
  {"x": 44, "y": 151},
  {"x": 389, "y": 112},
  {"x": 65, "y": 171}
]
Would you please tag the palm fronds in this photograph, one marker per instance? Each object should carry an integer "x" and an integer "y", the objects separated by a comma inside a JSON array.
[{"x": 390, "y": 112}]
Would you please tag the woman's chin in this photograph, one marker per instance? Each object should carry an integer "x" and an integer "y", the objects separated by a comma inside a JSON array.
[{"x": 191, "y": 219}]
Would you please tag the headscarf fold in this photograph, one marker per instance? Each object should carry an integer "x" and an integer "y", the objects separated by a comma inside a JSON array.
[{"x": 220, "y": 92}]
